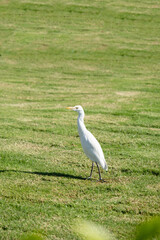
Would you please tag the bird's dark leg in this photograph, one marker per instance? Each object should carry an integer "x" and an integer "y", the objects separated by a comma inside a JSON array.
[
  {"x": 91, "y": 171},
  {"x": 99, "y": 172}
]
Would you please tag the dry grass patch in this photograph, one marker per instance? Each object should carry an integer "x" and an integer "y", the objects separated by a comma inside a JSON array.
[
  {"x": 127, "y": 93},
  {"x": 102, "y": 118},
  {"x": 25, "y": 147},
  {"x": 154, "y": 187}
]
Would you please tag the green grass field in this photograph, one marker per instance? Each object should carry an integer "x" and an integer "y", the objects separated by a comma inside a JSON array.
[{"x": 105, "y": 56}]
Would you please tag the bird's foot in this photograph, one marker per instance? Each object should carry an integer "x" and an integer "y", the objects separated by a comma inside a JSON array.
[
  {"x": 101, "y": 180},
  {"x": 88, "y": 178}
]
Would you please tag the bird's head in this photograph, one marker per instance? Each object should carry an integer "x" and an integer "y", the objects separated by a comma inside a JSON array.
[{"x": 77, "y": 108}]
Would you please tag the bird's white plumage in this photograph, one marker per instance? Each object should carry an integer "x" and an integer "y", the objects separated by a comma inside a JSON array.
[
  {"x": 92, "y": 149},
  {"x": 89, "y": 143}
]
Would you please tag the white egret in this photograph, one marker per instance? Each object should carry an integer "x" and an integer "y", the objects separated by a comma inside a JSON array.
[{"x": 90, "y": 145}]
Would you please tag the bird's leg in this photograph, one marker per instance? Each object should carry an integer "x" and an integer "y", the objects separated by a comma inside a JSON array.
[
  {"x": 91, "y": 171},
  {"x": 99, "y": 172}
]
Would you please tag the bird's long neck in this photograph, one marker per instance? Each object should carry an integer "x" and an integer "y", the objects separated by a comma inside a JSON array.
[{"x": 80, "y": 123}]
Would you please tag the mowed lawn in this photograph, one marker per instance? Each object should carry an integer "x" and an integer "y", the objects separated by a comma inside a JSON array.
[{"x": 105, "y": 56}]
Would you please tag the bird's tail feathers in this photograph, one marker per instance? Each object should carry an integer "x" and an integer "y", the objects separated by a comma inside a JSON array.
[{"x": 105, "y": 167}]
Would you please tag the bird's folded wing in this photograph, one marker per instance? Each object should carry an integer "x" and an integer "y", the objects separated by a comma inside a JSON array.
[{"x": 92, "y": 148}]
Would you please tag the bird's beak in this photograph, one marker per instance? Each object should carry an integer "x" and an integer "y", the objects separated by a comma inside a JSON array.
[{"x": 71, "y": 108}]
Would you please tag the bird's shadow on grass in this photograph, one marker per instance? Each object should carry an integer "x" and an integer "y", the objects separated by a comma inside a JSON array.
[{"x": 54, "y": 174}]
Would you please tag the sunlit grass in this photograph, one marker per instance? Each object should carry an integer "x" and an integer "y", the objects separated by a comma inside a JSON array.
[{"x": 105, "y": 56}]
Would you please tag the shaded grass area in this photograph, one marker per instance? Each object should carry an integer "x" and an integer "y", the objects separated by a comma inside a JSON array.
[{"x": 105, "y": 56}]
